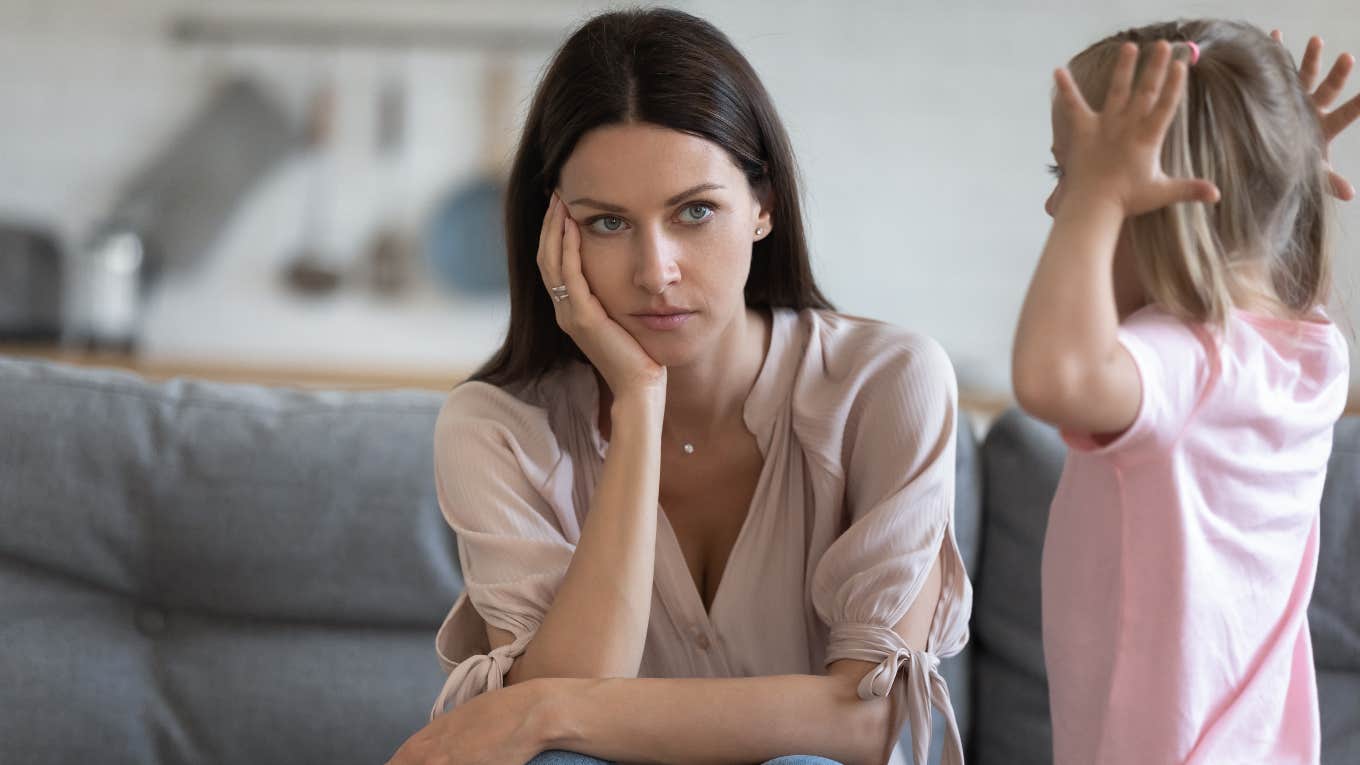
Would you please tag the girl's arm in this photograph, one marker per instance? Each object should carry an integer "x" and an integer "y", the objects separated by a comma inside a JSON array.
[{"x": 1067, "y": 365}]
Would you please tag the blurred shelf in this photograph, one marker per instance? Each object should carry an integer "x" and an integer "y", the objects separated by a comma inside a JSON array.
[
  {"x": 290, "y": 29},
  {"x": 299, "y": 376}
]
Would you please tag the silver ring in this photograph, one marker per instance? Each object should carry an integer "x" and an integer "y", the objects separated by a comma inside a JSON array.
[{"x": 559, "y": 293}]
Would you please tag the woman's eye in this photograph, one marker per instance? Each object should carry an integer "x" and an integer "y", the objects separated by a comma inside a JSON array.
[
  {"x": 1055, "y": 171},
  {"x": 696, "y": 213},
  {"x": 607, "y": 224}
]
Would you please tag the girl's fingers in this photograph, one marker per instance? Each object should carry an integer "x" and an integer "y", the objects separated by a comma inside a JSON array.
[
  {"x": 1341, "y": 188},
  {"x": 1312, "y": 61},
  {"x": 1277, "y": 36},
  {"x": 1152, "y": 82},
  {"x": 1121, "y": 80},
  {"x": 1191, "y": 190},
  {"x": 1172, "y": 93},
  {"x": 1341, "y": 118},
  {"x": 1069, "y": 96},
  {"x": 1334, "y": 81}
]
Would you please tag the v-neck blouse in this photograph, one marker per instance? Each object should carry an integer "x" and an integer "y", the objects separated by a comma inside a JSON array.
[{"x": 855, "y": 420}]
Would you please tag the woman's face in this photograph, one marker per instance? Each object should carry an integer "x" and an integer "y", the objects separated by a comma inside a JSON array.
[
  {"x": 1128, "y": 287},
  {"x": 667, "y": 222}
]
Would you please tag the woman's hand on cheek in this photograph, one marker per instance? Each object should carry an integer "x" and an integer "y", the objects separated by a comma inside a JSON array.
[
  {"x": 1336, "y": 121},
  {"x": 501, "y": 727},
  {"x": 1115, "y": 154},
  {"x": 623, "y": 363}
]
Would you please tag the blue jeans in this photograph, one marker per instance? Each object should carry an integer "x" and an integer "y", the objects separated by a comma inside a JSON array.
[{"x": 559, "y": 757}]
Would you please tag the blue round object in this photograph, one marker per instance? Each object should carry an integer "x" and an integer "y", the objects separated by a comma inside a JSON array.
[{"x": 466, "y": 241}]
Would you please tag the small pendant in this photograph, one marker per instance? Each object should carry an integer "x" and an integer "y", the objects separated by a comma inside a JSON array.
[{"x": 689, "y": 448}]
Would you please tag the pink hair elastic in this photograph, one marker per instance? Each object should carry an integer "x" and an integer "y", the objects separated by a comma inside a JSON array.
[{"x": 1194, "y": 52}]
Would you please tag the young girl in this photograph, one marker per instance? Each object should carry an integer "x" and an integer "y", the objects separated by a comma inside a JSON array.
[{"x": 1196, "y": 389}]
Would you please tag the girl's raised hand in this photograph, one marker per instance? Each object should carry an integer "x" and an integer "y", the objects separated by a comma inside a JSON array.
[
  {"x": 1116, "y": 152},
  {"x": 1335, "y": 121}
]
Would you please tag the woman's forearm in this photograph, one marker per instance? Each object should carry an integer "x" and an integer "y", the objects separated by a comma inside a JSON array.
[
  {"x": 719, "y": 721},
  {"x": 597, "y": 624}
]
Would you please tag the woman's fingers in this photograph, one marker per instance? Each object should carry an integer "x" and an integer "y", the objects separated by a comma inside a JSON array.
[
  {"x": 543, "y": 230},
  {"x": 578, "y": 290},
  {"x": 550, "y": 245}
]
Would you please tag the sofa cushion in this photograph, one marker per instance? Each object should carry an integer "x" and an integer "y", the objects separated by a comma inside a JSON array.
[
  {"x": 1021, "y": 461},
  {"x": 206, "y": 572},
  {"x": 1334, "y": 613}
]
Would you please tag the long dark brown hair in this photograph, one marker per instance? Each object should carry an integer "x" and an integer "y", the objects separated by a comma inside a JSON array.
[{"x": 660, "y": 67}]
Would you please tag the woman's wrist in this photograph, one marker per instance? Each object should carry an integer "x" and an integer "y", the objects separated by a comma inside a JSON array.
[
  {"x": 552, "y": 721},
  {"x": 641, "y": 406}
]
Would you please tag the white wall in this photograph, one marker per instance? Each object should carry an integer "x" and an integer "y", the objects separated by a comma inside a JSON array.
[{"x": 922, "y": 130}]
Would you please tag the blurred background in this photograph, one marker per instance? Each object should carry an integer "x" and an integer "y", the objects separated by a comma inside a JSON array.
[{"x": 306, "y": 192}]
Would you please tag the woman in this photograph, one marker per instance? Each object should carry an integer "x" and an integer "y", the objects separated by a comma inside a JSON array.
[{"x": 682, "y": 465}]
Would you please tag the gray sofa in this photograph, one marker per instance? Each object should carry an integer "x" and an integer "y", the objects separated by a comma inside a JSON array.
[{"x": 197, "y": 572}]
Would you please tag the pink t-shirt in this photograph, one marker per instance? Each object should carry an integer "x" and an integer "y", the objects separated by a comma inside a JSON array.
[{"x": 1180, "y": 557}]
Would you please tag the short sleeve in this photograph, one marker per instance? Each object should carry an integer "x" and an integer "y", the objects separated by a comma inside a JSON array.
[
  {"x": 898, "y": 457},
  {"x": 496, "y": 464},
  {"x": 1177, "y": 364}
]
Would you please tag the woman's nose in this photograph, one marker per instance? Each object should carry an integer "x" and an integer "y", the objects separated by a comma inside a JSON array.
[{"x": 657, "y": 265}]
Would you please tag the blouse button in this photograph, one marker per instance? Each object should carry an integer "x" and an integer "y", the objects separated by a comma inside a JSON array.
[{"x": 702, "y": 641}]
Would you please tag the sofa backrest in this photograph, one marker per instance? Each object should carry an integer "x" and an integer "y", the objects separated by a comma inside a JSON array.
[
  {"x": 193, "y": 572},
  {"x": 203, "y": 572}
]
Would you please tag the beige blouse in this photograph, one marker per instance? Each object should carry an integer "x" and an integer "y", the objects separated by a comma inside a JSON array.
[{"x": 856, "y": 422}]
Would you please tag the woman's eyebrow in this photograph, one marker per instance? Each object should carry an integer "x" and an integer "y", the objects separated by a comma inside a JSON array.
[
  {"x": 676, "y": 199},
  {"x": 692, "y": 191},
  {"x": 597, "y": 204}
]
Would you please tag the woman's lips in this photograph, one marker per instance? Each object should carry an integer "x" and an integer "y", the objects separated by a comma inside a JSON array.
[{"x": 664, "y": 322}]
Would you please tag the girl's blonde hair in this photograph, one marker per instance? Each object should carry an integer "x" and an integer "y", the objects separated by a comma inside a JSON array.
[{"x": 1247, "y": 125}]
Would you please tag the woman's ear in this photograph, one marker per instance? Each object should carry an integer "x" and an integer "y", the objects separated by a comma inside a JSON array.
[{"x": 764, "y": 211}]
